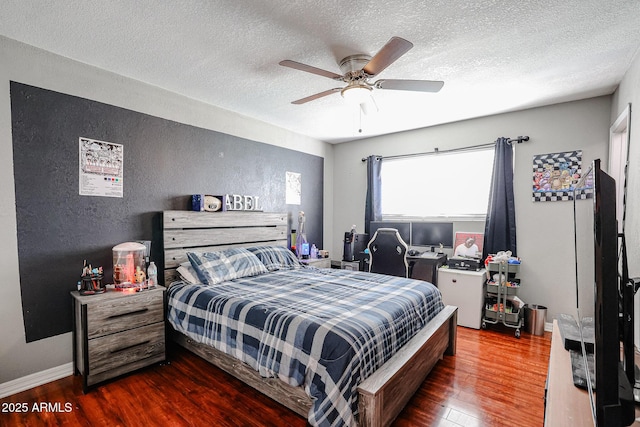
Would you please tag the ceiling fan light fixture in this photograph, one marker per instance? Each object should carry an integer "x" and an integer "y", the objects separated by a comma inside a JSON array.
[{"x": 356, "y": 94}]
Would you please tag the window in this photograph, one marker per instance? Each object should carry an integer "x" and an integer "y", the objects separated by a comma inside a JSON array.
[{"x": 452, "y": 185}]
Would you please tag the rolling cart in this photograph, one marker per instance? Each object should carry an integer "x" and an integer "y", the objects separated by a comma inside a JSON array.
[{"x": 498, "y": 307}]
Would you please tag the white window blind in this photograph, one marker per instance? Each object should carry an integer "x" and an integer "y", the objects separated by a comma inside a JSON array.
[{"x": 453, "y": 185}]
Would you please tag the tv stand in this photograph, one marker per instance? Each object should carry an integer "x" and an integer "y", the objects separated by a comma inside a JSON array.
[{"x": 566, "y": 404}]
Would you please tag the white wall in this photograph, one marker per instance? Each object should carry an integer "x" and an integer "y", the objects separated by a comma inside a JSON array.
[
  {"x": 629, "y": 92},
  {"x": 545, "y": 230},
  {"x": 25, "y": 64}
]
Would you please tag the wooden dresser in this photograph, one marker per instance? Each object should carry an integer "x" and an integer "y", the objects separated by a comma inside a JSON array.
[{"x": 115, "y": 333}]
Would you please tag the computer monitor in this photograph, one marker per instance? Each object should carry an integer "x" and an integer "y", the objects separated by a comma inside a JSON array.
[
  {"x": 404, "y": 228},
  {"x": 432, "y": 234}
]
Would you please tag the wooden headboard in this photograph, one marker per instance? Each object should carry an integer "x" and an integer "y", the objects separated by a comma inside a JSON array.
[{"x": 189, "y": 231}]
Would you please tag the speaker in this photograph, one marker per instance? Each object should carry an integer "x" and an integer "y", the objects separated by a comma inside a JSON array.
[{"x": 347, "y": 254}]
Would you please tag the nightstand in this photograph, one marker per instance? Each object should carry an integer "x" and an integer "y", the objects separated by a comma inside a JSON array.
[
  {"x": 117, "y": 332},
  {"x": 317, "y": 262}
]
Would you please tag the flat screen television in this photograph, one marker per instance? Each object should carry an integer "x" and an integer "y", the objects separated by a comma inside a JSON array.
[
  {"x": 613, "y": 403},
  {"x": 404, "y": 228},
  {"x": 432, "y": 234}
]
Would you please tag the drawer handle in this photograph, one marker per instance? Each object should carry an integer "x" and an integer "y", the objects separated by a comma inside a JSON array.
[
  {"x": 142, "y": 310},
  {"x": 129, "y": 347},
  {"x": 454, "y": 280}
]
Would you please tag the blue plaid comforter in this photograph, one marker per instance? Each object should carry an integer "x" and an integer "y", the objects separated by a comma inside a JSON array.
[{"x": 325, "y": 330}]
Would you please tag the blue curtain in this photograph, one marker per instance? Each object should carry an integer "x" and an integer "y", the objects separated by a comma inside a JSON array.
[
  {"x": 500, "y": 226},
  {"x": 373, "y": 203}
]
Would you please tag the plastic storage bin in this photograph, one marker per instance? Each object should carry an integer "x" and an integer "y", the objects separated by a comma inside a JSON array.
[{"x": 129, "y": 263}]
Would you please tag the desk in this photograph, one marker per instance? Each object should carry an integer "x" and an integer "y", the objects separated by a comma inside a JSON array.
[
  {"x": 421, "y": 268},
  {"x": 426, "y": 268}
]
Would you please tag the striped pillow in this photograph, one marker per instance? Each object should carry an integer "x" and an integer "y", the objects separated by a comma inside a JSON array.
[
  {"x": 187, "y": 273},
  {"x": 276, "y": 257},
  {"x": 216, "y": 267}
]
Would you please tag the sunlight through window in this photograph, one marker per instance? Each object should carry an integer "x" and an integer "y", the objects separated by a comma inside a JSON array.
[{"x": 437, "y": 185}]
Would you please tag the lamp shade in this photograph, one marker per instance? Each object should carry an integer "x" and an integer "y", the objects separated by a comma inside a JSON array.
[{"x": 356, "y": 94}]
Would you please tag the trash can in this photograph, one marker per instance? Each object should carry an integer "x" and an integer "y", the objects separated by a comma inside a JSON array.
[{"x": 534, "y": 318}]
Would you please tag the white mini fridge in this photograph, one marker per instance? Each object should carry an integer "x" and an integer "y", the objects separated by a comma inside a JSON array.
[{"x": 464, "y": 289}]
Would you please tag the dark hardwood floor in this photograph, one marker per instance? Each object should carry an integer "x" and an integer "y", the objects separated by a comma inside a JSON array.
[{"x": 493, "y": 380}]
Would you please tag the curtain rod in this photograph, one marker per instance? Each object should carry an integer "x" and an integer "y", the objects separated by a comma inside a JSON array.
[{"x": 518, "y": 139}]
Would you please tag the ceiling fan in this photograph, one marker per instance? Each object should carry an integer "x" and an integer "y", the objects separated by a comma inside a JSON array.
[{"x": 358, "y": 69}]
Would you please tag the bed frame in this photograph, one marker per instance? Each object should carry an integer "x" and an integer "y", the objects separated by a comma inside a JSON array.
[{"x": 382, "y": 396}]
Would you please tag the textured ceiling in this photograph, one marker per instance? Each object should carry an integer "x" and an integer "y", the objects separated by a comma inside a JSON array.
[{"x": 494, "y": 56}]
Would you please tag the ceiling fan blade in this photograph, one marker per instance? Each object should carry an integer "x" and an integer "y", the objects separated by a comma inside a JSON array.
[
  {"x": 309, "y": 69},
  {"x": 390, "y": 52},
  {"x": 317, "y": 95},
  {"x": 414, "y": 85}
]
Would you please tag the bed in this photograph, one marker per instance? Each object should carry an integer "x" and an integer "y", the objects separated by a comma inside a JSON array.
[{"x": 362, "y": 375}]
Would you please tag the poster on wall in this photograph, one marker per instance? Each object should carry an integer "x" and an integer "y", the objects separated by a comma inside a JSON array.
[
  {"x": 101, "y": 168},
  {"x": 294, "y": 188},
  {"x": 555, "y": 176}
]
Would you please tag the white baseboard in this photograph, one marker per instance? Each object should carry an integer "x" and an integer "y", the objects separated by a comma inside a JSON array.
[
  {"x": 548, "y": 326},
  {"x": 34, "y": 380}
]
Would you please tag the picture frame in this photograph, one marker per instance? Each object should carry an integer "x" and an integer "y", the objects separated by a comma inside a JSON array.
[{"x": 461, "y": 237}]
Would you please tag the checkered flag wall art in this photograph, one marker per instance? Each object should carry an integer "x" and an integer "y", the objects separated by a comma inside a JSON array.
[{"x": 555, "y": 176}]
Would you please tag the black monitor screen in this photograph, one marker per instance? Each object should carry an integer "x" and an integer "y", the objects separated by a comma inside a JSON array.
[
  {"x": 404, "y": 228},
  {"x": 432, "y": 234}
]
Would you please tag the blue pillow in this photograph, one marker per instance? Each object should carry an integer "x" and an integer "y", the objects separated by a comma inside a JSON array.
[
  {"x": 276, "y": 257},
  {"x": 216, "y": 267}
]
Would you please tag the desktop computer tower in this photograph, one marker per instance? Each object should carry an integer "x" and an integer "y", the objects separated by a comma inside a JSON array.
[
  {"x": 360, "y": 242},
  {"x": 354, "y": 246}
]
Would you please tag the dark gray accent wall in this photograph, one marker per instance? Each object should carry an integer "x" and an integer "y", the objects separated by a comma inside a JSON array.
[{"x": 164, "y": 163}]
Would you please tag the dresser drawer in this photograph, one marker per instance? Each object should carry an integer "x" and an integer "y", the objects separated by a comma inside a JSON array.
[
  {"x": 116, "y": 351},
  {"x": 124, "y": 312}
]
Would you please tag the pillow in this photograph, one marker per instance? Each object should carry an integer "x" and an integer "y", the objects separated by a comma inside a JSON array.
[
  {"x": 187, "y": 273},
  {"x": 216, "y": 267},
  {"x": 276, "y": 257}
]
